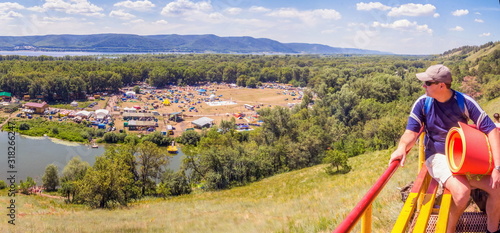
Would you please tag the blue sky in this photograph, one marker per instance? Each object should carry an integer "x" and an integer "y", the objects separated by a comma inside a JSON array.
[{"x": 402, "y": 27}]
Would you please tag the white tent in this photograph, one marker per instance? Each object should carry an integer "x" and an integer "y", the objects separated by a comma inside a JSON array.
[
  {"x": 130, "y": 93},
  {"x": 101, "y": 113},
  {"x": 212, "y": 97},
  {"x": 84, "y": 114},
  {"x": 74, "y": 104},
  {"x": 129, "y": 109},
  {"x": 202, "y": 122}
]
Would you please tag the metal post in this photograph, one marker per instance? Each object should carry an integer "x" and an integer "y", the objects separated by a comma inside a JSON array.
[{"x": 366, "y": 220}]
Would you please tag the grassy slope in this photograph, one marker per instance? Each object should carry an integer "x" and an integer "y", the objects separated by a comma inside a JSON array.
[
  {"x": 491, "y": 107},
  {"x": 307, "y": 200},
  {"x": 483, "y": 52}
]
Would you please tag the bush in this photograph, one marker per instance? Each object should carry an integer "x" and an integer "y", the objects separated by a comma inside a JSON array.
[
  {"x": 132, "y": 139},
  {"x": 50, "y": 178},
  {"x": 55, "y": 130},
  {"x": 110, "y": 137},
  {"x": 157, "y": 138},
  {"x": 173, "y": 184},
  {"x": 338, "y": 161},
  {"x": 3, "y": 185},
  {"x": 24, "y": 126}
]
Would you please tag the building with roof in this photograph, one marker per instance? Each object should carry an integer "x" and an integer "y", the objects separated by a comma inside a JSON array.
[
  {"x": 140, "y": 116},
  {"x": 140, "y": 125},
  {"x": 203, "y": 122},
  {"x": 37, "y": 107},
  {"x": 5, "y": 96}
]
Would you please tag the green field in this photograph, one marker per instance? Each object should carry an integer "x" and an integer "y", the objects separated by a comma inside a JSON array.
[{"x": 306, "y": 200}]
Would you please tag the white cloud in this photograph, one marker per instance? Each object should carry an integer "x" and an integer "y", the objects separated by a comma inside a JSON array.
[
  {"x": 404, "y": 25},
  {"x": 82, "y": 7},
  {"x": 183, "y": 7},
  {"x": 233, "y": 10},
  {"x": 161, "y": 22},
  {"x": 412, "y": 9},
  {"x": 57, "y": 19},
  {"x": 121, "y": 15},
  {"x": 216, "y": 16},
  {"x": 478, "y": 20},
  {"x": 137, "y": 5},
  {"x": 137, "y": 21},
  {"x": 460, "y": 12},
  {"x": 328, "y": 31},
  {"x": 10, "y": 15},
  {"x": 371, "y": 6},
  {"x": 37, "y": 9},
  {"x": 457, "y": 28},
  {"x": 485, "y": 34},
  {"x": 309, "y": 17},
  {"x": 7, "y": 6},
  {"x": 258, "y": 9},
  {"x": 436, "y": 15}
]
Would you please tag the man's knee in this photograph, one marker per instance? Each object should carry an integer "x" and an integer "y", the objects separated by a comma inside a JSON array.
[{"x": 460, "y": 189}]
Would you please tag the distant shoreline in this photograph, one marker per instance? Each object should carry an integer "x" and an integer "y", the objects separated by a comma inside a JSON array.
[{"x": 61, "y": 54}]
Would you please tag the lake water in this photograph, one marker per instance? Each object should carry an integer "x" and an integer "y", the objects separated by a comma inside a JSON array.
[
  {"x": 61, "y": 54},
  {"x": 33, "y": 154}
]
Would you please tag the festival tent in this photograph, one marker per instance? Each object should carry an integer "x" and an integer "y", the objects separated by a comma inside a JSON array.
[
  {"x": 84, "y": 114},
  {"x": 212, "y": 97},
  {"x": 64, "y": 113},
  {"x": 203, "y": 122},
  {"x": 129, "y": 109},
  {"x": 166, "y": 102},
  {"x": 130, "y": 94},
  {"x": 74, "y": 104},
  {"x": 101, "y": 113}
]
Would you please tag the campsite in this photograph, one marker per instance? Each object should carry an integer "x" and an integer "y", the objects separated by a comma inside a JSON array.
[{"x": 171, "y": 110}]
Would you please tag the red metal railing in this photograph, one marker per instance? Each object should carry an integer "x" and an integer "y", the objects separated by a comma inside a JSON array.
[{"x": 365, "y": 203}]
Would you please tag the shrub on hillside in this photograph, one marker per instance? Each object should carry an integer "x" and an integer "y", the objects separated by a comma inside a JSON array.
[{"x": 24, "y": 126}]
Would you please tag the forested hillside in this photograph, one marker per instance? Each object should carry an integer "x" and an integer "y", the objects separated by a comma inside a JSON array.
[
  {"x": 167, "y": 44},
  {"x": 352, "y": 105}
]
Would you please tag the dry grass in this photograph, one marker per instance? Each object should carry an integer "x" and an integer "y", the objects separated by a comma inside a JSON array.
[
  {"x": 491, "y": 107},
  {"x": 307, "y": 200},
  {"x": 268, "y": 97},
  {"x": 481, "y": 53}
]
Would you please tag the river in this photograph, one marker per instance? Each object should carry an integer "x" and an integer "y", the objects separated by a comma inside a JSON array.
[
  {"x": 33, "y": 154},
  {"x": 67, "y": 53}
]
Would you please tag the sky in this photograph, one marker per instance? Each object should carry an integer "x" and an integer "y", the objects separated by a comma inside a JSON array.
[{"x": 400, "y": 27}]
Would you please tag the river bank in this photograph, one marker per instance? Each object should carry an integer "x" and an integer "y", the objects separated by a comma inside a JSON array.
[{"x": 33, "y": 154}]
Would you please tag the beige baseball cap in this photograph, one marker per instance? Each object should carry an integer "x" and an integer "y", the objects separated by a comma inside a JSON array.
[{"x": 436, "y": 73}]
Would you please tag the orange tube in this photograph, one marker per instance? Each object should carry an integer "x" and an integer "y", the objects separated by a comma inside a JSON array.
[{"x": 468, "y": 151}]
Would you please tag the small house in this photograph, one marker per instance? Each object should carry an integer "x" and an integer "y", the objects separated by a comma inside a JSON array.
[
  {"x": 37, "y": 107},
  {"x": 5, "y": 96}
]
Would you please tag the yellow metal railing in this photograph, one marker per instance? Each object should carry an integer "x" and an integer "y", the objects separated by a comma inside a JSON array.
[{"x": 418, "y": 206}]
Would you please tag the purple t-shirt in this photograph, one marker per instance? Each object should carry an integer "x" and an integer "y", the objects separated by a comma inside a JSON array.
[{"x": 441, "y": 117}]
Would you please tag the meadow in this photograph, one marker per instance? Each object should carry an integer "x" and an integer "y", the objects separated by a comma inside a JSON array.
[{"x": 306, "y": 200}]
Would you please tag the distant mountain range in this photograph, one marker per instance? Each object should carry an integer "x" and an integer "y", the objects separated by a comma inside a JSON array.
[{"x": 167, "y": 43}]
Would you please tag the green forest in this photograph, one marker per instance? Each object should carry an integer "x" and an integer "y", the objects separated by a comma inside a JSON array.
[{"x": 352, "y": 105}]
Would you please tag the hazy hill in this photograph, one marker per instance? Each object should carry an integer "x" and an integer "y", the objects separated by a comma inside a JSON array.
[{"x": 167, "y": 43}]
